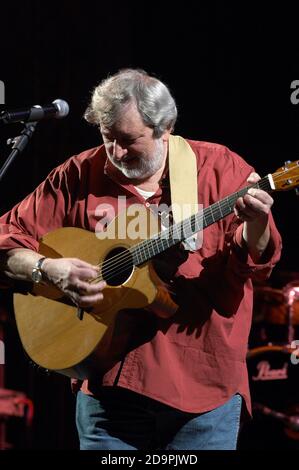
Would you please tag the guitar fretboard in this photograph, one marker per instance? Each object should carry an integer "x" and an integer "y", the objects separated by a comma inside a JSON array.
[{"x": 148, "y": 249}]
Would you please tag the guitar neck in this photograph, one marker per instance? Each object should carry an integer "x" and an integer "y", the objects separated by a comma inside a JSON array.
[{"x": 176, "y": 233}]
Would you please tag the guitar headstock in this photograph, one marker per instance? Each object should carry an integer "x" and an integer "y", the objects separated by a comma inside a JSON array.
[{"x": 286, "y": 177}]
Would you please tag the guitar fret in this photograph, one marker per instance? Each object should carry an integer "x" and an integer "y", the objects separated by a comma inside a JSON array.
[
  {"x": 213, "y": 219},
  {"x": 152, "y": 248},
  {"x": 136, "y": 256},
  {"x": 219, "y": 205}
]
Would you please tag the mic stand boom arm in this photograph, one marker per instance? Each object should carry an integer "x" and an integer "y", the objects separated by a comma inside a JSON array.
[{"x": 19, "y": 144}]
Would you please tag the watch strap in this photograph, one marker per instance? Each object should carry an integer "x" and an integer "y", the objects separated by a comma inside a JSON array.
[{"x": 36, "y": 273}]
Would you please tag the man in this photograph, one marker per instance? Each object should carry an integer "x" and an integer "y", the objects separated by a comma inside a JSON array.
[{"x": 177, "y": 382}]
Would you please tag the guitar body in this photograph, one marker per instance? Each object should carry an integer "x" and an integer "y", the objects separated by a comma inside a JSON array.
[{"x": 51, "y": 332}]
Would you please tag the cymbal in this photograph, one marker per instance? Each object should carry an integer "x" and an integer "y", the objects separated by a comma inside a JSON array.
[{"x": 291, "y": 291}]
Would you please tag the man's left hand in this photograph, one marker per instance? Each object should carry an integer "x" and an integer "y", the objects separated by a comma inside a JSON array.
[{"x": 255, "y": 204}]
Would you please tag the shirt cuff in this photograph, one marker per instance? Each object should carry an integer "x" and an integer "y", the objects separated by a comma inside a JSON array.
[{"x": 243, "y": 262}]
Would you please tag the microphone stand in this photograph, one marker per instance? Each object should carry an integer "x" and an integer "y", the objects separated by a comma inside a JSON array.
[{"x": 19, "y": 144}]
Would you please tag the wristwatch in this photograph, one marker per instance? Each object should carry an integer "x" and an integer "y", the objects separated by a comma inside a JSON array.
[{"x": 37, "y": 274}]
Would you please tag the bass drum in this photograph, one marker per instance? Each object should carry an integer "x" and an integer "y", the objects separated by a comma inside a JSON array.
[{"x": 274, "y": 385}]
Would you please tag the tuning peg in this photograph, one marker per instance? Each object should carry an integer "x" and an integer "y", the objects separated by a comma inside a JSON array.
[{"x": 11, "y": 141}]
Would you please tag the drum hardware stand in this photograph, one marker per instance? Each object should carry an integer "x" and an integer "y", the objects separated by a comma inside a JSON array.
[
  {"x": 292, "y": 422},
  {"x": 291, "y": 293}
]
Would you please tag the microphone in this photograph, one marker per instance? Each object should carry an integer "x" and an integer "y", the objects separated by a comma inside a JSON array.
[
  {"x": 58, "y": 109},
  {"x": 292, "y": 422}
]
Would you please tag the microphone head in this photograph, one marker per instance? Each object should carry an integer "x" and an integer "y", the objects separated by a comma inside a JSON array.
[{"x": 62, "y": 107}]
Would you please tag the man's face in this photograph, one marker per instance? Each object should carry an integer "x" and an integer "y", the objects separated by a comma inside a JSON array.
[{"x": 131, "y": 147}]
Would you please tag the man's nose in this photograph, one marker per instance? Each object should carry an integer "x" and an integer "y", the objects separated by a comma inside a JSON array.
[{"x": 119, "y": 150}]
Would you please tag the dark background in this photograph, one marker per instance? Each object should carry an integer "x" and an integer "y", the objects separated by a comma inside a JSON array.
[{"x": 230, "y": 69}]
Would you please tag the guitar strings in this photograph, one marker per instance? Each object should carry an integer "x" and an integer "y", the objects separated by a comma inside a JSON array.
[{"x": 123, "y": 261}]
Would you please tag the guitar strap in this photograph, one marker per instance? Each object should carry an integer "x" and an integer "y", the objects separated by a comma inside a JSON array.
[{"x": 183, "y": 179}]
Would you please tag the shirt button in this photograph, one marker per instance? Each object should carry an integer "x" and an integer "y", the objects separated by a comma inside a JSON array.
[{"x": 147, "y": 204}]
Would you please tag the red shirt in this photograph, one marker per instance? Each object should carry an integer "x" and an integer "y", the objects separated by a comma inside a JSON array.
[{"x": 196, "y": 360}]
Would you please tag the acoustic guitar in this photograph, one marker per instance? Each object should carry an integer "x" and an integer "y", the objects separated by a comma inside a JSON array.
[{"x": 58, "y": 337}]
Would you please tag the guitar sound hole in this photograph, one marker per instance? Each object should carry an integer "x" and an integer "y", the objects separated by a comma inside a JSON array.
[{"x": 117, "y": 266}]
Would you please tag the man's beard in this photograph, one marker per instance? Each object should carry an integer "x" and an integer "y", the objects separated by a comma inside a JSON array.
[{"x": 143, "y": 167}]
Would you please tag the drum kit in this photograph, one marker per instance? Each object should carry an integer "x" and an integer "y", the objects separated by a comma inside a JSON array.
[{"x": 273, "y": 367}]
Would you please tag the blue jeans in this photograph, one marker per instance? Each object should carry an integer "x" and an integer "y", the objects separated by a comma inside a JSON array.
[{"x": 123, "y": 420}]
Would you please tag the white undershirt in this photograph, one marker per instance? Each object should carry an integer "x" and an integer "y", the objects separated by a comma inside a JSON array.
[{"x": 143, "y": 193}]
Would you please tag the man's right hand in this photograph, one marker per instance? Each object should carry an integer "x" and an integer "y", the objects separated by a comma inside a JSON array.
[{"x": 72, "y": 276}]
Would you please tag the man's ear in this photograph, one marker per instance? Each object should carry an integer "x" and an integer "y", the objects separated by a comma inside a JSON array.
[{"x": 166, "y": 135}]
